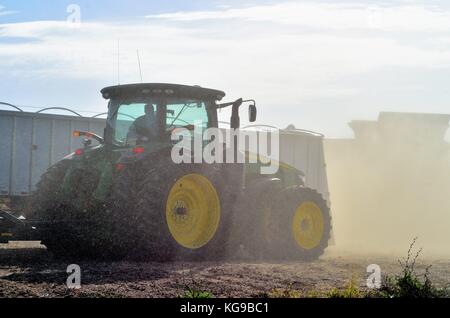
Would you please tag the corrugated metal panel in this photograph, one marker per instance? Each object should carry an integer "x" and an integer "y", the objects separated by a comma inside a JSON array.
[
  {"x": 61, "y": 137},
  {"x": 6, "y": 138},
  {"x": 304, "y": 151},
  {"x": 21, "y": 165},
  {"x": 42, "y": 140},
  {"x": 30, "y": 143}
]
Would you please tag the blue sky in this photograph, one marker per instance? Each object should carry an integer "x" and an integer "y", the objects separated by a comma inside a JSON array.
[
  {"x": 314, "y": 64},
  {"x": 32, "y": 10}
]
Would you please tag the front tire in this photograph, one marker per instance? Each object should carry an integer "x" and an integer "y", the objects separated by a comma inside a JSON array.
[
  {"x": 299, "y": 225},
  {"x": 285, "y": 224}
]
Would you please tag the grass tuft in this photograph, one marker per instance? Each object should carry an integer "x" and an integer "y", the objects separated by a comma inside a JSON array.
[
  {"x": 195, "y": 292},
  {"x": 350, "y": 291},
  {"x": 409, "y": 284}
]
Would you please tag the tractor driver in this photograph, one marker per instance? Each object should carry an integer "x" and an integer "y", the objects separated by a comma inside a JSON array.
[{"x": 144, "y": 128}]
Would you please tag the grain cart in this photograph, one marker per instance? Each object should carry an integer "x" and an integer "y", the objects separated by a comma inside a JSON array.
[{"x": 128, "y": 198}]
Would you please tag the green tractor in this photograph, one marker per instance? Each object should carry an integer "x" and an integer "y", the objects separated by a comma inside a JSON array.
[{"x": 127, "y": 198}]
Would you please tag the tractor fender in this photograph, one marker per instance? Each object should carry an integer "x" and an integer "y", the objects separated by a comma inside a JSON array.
[
  {"x": 144, "y": 152},
  {"x": 257, "y": 188}
]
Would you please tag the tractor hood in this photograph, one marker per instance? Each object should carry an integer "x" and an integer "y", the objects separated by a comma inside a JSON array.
[{"x": 162, "y": 90}]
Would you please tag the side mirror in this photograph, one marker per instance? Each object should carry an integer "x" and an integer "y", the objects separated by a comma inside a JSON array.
[{"x": 252, "y": 113}]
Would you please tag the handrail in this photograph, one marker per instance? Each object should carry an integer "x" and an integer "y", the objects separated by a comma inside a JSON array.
[
  {"x": 265, "y": 126},
  {"x": 293, "y": 130},
  {"x": 98, "y": 115},
  {"x": 305, "y": 131},
  {"x": 59, "y": 108},
  {"x": 11, "y": 105}
]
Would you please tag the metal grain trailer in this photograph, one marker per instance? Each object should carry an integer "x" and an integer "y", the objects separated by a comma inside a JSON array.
[
  {"x": 304, "y": 151},
  {"x": 31, "y": 142}
]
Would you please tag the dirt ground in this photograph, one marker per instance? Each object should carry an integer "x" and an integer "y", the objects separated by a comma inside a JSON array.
[{"x": 28, "y": 270}]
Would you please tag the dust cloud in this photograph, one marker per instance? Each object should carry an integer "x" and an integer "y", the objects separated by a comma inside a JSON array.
[{"x": 391, "y": 183}]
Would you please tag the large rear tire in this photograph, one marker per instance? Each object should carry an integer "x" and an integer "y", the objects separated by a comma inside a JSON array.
[
  {"x": 68, "y": 230},
  {"x": 179, "y": 211},
  {"x": 44, "y": 203},
  {"x": 46, "y": 206}
]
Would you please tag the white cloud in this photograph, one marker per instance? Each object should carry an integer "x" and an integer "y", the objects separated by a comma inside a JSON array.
[
  {"x": 267, "y": 54},
  {"x": 339, "y": 16},
  {"x": 4, "y": 12}
]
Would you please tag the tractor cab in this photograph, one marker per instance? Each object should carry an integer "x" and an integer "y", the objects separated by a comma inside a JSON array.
[{"x": 146, "y": 113}]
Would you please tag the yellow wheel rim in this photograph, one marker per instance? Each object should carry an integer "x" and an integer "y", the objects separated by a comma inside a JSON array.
[
  {"x": 308, "y": 225},
  {"x": 193, "y": 211}
]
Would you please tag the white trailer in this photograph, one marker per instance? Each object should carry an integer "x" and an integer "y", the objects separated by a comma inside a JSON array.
[
  {"x": 303, "y": 150},
  {"x": 31, "y": 142}
]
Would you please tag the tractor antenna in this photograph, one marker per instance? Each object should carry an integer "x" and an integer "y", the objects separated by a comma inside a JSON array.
[
  {"x": 118, "y": 62},
  {"x": 139, "y": 64}
]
